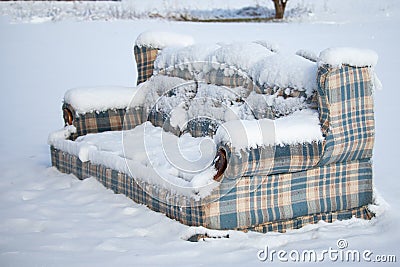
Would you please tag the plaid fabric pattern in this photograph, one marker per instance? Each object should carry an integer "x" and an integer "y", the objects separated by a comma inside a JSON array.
[
  {"x": 187, "y": 211},
  {"x": 222, "y": 75},
  {"x": 162, "y": 119},
  {"x": 272, "y": 159},
  {"x": 273, "y": 188},
  {"x": 198, "y": 127},
  {"x": 238, "y": 78},
  {"x": 134, "y": 117},
  {"x": 145, "y": 57},
  {"x": 110, "y": 120},
  {"x": 68, "y": 163},
  {"x": 257, "y": 200},
  {"x": 260, "y": 203},
  {"x": 121, "y": 119},
  {"x": 346, "y": 113},
  {"x": 201, "y": 127},
  {"x": 216, "y": 75},
  {"x": 282, "y": 226}
]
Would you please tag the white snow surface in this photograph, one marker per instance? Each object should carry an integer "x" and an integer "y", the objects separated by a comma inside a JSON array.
[
  {"x": 62, "y": 134},
  {"x": 40, "y": 12},
  {"x": 184, "y": 100},
  {"x": 241, "y": 55},
  {"x": 337, "y": 56},
  {"x": 48, "y": 218},
  {"x": 310, "y": 55},
  {"x": 300, "y": 127},
  {"x": 182, "y": 165},
  {"x": 160, "y": 40},
  {"x": 250, "y": 59},
  {"x": 286, "y": 71},
  {"x": 91, "y": 99},
  {"x": 186, "y": 57}
]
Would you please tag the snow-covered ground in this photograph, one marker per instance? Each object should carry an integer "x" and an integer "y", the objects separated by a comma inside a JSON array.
[{"x": 51, "y": 219}]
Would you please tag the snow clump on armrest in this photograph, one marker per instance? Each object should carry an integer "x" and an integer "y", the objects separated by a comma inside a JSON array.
[
  {"x": 85, "y": 100},
  {"x": 298, "y": 128},
  {"x": 161, "y": 40},
  {"x": 356, "y": 57}
]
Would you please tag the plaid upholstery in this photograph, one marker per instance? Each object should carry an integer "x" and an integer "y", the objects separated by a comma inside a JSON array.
[
  {"x": 259, "y": 203},
  {"x": 200, "y": 127},
  {"x": 236, "y": 78},
  {"x": 186, "y": 211},
  {"x": 256, "y": 200},
  {"x": 162, "y": 119},
  {"x": 216, "y": 75},
  {"x": 273, "y": 188},
  {"x": 222, "y": 75},
  {"x": 68, "y": 163},
  {"x": 296, "y": 223},
  {"x": 109, "y": 120},
  {"x": 133, "y": 117},
  {"x": 346, "y": 113},
  {"x": 145, "y": 57},
  {"x": 121, "y": 119},
  {"x": 272, "y": 159}
]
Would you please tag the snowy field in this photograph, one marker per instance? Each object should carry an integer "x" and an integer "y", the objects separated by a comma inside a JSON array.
[{"x": 52, "y": 219}]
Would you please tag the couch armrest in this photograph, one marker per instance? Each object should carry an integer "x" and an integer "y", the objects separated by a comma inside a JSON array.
[
  {"x": 271, "y": 159},
  {"x": 145, "y": 57},
  {"x": 108, "y": 120},
  {"x": 94, "y": 110},
  {"x": 346, "y": 108}
]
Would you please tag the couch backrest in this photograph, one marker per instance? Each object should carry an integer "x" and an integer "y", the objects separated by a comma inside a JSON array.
[{"x": 272, "y": 74}]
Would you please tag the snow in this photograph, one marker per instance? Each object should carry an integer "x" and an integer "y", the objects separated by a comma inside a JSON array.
[
  {"x": 85, "y": 100},
  {"x": 250, "y": 59},
  {"x": 300, "y": 127},
  {"x": 149, "y": 92},
  {"x": 184, "y": 100},
  {"x": 52, "y": 219},
  {"x": 183, "y": 164},
  {"x": 187, "y": 57},
  {"x": 62, "y": 134},
  {"x": 160, "y": 40},
  {"x": 310, "y": 55},
  {"x": 40, "y": 12},
  {"x": 180, "y": 164},
  {"x": 286, "y": 71},
  {"x": 357, "y": 57},
  {"x": 241, "y": 55}
]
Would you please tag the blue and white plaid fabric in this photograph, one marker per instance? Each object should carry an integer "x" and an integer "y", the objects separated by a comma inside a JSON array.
[
  {"x": 271, "y": 159},
  {"x": 259, "y": 199},
  {"x": 268, "y": 188},
  {"x": 109, "y": 120},
  {"x": 346, "y": 108},
  {"x": 260, "y": 203}
]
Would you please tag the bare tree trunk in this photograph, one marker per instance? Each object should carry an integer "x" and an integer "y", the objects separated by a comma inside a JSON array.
[{"x": 280, "y": 6}]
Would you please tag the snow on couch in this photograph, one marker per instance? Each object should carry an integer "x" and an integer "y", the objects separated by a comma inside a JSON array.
[{"x": 230, "y": 136}]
